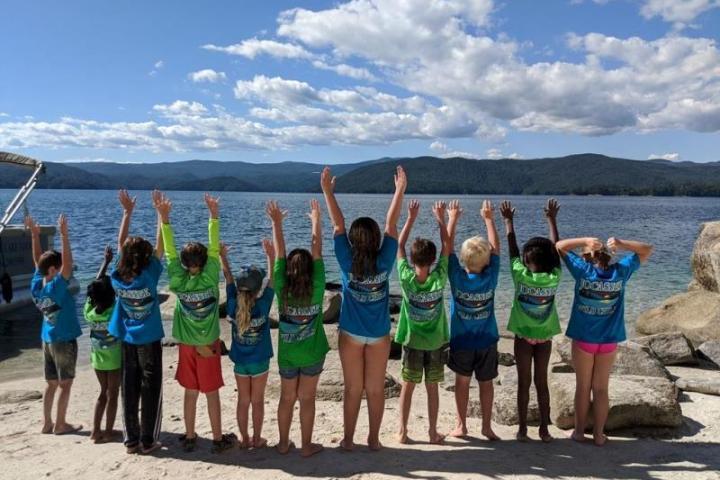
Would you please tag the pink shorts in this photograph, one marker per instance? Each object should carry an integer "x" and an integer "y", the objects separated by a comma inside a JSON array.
[{"x": 596, "y": 348}]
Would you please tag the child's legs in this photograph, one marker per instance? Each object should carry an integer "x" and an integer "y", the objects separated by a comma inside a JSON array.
[
  {"x": 583, "y": 363},
  {"x": 487, "y": 394},
  {"x": 406, "y": 393},
  {"x": 130, "y": 390},
  {"x": 600, "y": 383},
  {"x": 433, "y": 406},
  {"x": 190, "y": 411},
  {"x": 351, "y": 358},
  {"x": 65, "y": 357},
  {"x": 541, "y": 358},
  {"x": 376, "y": 358},
  {"x": 257, "y": 398},
  {"x": 288, "y": 396},
  {"x": 244, "y": 391},
  {"x": 412, "y": 374},
  {"x": 523, "y": 362},
  {"x": 307, "y": 388},
  {"x": 214, "y": 412},
  {"x": 113, "y": 382},
  {"x": 434, "y": 362},
  {"x": 150, "y": 362},
  {"x": 101, "y": 402},
  {"x": 461, "y": 362},
  {"x": 48, "y": 400}
]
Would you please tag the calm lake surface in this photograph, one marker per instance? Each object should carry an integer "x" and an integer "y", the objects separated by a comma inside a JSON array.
[{"x": 671, "y": 224}]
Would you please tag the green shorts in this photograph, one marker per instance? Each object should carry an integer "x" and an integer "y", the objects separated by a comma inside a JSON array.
[
  {"x": 431, "y": 362},
  {"x": 252, "y": 369}
]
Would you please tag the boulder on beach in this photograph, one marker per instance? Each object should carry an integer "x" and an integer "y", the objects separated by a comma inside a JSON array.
[
  {"x": 710, "y": 352},
  {"x": 696, "y": 380},
  {"x": 635, "y": 401},
  {"x": 670, "y": 348},
  {"x": 705, "y": 258},
  {"x": 19, "y": 396}
]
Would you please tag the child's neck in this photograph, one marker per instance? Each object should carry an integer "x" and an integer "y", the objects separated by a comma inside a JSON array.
[{"x": 422, "y": 274}]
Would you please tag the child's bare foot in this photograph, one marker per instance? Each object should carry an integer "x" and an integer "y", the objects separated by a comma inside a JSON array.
[
  {"x": 245, "y": 442},
  {"x": 374, "y": 445},
  {"x": 48, "y": 428},
  {"x": 66, "y": 428},
  {"x": 259, "y": 442},
  {"x": 95, "y": 436},
  {"x": 489, "y": 434},
  {"x": 522, "y": 436},
  {"x": 310, "y": 450},
  {"x": 110, "y": 436},
  {"x": 580, "y": 438},
  {"x": 437, "y": 438},
  {"x": 600, "y": 439},
  {"x": 347, "y": 445},
  {"x": 459, "y": 432},
  {"x": 284, "y": 448},
  {"x": 545, "y": 435},
  {"x": 403, "y": 438}
]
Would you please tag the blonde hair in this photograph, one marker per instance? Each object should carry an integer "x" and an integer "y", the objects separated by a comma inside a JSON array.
[
  {"x": 475, "y": 254},
  {"x": 243, "y": 312}
]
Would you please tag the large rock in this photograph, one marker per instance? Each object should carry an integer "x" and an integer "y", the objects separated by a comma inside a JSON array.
[
  {"x": 705, "y": 258},
  {"x": 696, "y": 380},
  {"x": 670, "y": 348},
  {"x": 635, "y": 401},
  {"x": 19, "y": 396},
  {"x": 695, "y": 313},
  {"x": 710, "y": 352},
  {"x": 631, "y": 358}
]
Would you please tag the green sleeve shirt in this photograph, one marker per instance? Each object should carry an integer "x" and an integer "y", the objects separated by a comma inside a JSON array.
[
  {"x": 196, "y": 319},
  {"x": 533, "y": 313},
  {"x": 423, "y": 322},
  {"x": 301, "y": 340},
  {"x": 105, "y": 353}
]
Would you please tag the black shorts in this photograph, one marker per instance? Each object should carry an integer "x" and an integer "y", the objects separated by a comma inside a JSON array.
[
  {"x": 60, "y": 360},
  {"x": 483, "y": 362}
]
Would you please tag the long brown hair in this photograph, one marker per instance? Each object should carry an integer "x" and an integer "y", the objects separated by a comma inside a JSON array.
[
  {"x": 134, "y": 258},
  {"x": 299, "y": 274},
  {"x": 243, "y": 312},
  {"x": 364, "y": 236}
]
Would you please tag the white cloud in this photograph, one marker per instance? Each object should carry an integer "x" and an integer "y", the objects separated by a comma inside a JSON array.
[
  {"x": 3, "y": 114},
  {"x": 346, "y": 70},
  {"x": 446, "y": 152},
  {"x": 207, "y": 75},
  {"x": 494, "y": 154},
  {"x": 254, "y": 47},
  {"x": 679, "y": 12},
  {"x": 157, "y": 66},
  {"x": 673, "y": 157}
]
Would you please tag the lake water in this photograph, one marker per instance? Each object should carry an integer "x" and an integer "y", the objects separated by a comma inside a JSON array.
[{"x": 671, "y": 224}]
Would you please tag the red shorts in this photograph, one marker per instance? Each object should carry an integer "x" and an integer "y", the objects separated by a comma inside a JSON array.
[
  {"x": 596, "y": 348},
  {"x": 196, "y": 372}
]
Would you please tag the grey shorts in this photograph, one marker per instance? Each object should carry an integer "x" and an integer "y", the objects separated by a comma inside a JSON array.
[
  {"x": 309, "y": 371},
  {"x": 60, "y": 359},
  {"x": 484, "y": 363}
]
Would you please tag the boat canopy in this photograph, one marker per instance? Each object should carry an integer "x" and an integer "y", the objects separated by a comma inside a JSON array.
[{"x": 19, "y": 200}]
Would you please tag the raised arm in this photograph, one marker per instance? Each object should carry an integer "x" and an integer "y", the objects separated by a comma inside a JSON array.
[
  {"x": 454, "y": 213},
  {"x": 165, "y": 238},
  {"x": 551, "y": 210},
  {"x": 393, "y": 214},
  {"x": 327, "y": 183},
  {"x": 67, "y": 258},
  {"x": 642, "y": 249},
  {"x": 316, "y": 246},
  {"x": 34, "y": 228},
  {"x": 508, "y": 213},
  {"x": 107, "y": 258},
  {"x": 487, "y": 212},
  {"x": 128, "y": 205},
  {"x": 270, "y": 256},
  {"x": 439, "y": 214},
  {"x": 227, "y": 270},
  {"x": 413, "y": 210},
  {"x": 276, "y": 216},
  {"x": 568, "y": 244},
  {"x": 213, "y": 205}
]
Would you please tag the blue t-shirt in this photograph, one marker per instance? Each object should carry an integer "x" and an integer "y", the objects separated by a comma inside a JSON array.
[
  {"x": 136, "y": 318},
  {"x": 365, "y": 305},
  {"x": 598, "y": 311},
  {"x": 54, "y": 300},
  {"x": 254, "y": 345},
  {"x": 472, "y": 311}
]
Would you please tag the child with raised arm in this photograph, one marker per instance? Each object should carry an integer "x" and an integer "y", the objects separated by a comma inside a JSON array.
[
  {"x": 248, "y": 307},
  {"x": 105, "y": 352},
  {"x": 60, "y": 328},
  {"x": 473, "y": 328},
  {"x": 137, "y": 323},
  {"x": 533, "y": 317},
  {"x": 194, "y": 278},
  {"x": 300, "y": 287},
  {"x": 422, "y": 328},
  {"x": 366, "y": 260},
  {"x": 597, "y": 322}
]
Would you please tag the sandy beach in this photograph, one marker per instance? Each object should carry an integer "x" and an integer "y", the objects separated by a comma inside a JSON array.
[{"x": 690, "y": 452}]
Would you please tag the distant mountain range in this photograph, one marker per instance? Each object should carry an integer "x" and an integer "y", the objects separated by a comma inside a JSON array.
[{"x": 582, "y": 174}]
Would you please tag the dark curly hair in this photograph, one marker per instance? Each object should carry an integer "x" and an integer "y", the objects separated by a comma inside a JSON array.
[
  {"x": 365, "y": 238},
  {"x": 194, "y": 254},
  {"x": 540, "y": 254},
  {"x": 299, "y": 273},
  {"x": 423, "y": 252},
  {"x": 50, "y": 258},
  {"x": 101, "y": 294},
  {"x": 134, "y": 258}
]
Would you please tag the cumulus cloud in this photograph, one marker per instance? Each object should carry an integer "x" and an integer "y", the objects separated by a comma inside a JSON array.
[
  {"x": 207, "y": 75},
  {"x": 444, "y": 151},
  {"x": 673, "y": 157},
  {"x": 254, "y": 47},
  {"x": 679, "y": 12}
]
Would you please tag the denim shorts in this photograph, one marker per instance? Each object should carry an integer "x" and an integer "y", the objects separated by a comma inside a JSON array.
[
  {"x": 290, "y": 373},
  {"x": 362, "y": 340}
]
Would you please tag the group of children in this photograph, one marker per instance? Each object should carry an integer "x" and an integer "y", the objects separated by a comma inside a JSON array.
[{"x": 123, "y": 313}]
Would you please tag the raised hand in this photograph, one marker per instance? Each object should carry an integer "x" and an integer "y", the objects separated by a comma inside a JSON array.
[
  {"x": 274, "y": 213},
  {"x": 268, "y": 247},
  {"x": 400, "y": 179},
  {"x": 593, "y": 244},
  {"x": 413, "y": 209},
  {"x": 163, "y": 205},
  {"x": 438, "y": 210},
  {"x": 507, "y": 210},
  {"x": 552, "y": 208},
  {"x": 32, "y": 225},
  {"x": 454, "y": 210},
  {"x": 127, "y": 202},
  {"x": 63, "y": 225},
  {"x": 224, "y": 249},
  {"x": 213, "y": 205},
  {"x": 327, "y": 181},
  {"x": 108, "y": 254},
  {"x": 614, "y": 244},
  {"x": 314, "y": 211},
  {"x": 487, "y": 211}
]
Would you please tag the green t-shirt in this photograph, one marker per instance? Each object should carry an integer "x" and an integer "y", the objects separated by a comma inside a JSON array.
[
  {"x": 196, "y": 320},
  {"x": 105, "y": 353},
  {"x": 533, "y": 313},
  {"x": 301, "y": 339},
  {"x": 423, "y": 323}
]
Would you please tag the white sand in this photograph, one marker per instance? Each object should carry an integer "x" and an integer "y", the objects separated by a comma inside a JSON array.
[{"x": 694, "y": 452}]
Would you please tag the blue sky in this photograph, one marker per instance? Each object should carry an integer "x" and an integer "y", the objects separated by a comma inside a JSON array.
[{"x": 334, "y": 82}]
